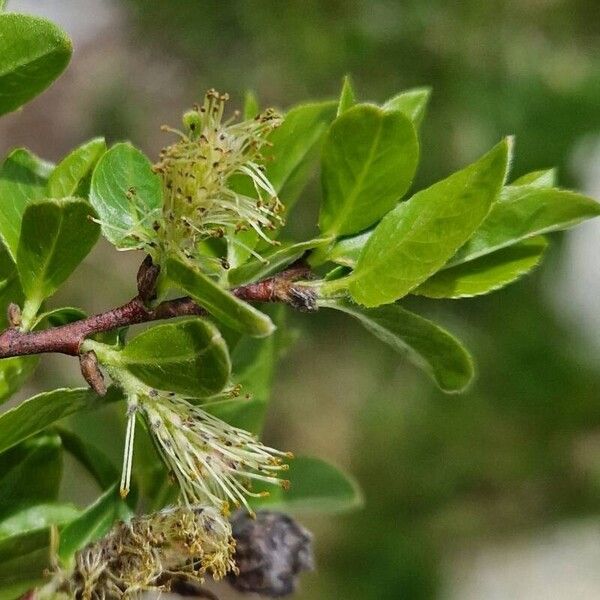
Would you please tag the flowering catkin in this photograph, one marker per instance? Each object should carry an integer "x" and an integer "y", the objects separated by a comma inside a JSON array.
[
  {"x": 145, "y": 554},
  {"x": 214, "y": 182}
]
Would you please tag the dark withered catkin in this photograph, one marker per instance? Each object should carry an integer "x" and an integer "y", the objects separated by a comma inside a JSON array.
[{"x": 271, "y": 551}]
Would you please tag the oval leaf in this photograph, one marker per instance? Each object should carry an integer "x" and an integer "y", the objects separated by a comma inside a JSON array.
[
  {"x": 56, "y": 236},
  {"x": 486, "y": 274},
  {"x": 272, "y": 262},
  {"x": 426, "y": 344},
  {"x": 222, "y": 305},
  {"x": 545, "y": 178},
  {"x": 526, "y": 211},
  {"x": 418, "y": 237},
  {"x": 41, "y": 411},
  {"x": 14, "y": 372},
  {"x": 33, "y": 53},
  {"x": 369, "y": 160},
  {"x": 316, "y": 487},
  {"x": 294, "y": 151},
  {"x": 30, "y": 474},
  {"x": 23, "y": 178},
  {"x": 24, "y": 559},
  {"x": 412, "y": 103},
  {"x": 37, "y": 517},
  {"x": 72, "y": 172},
  {"x": 127, "y": 195},
  {"x": 92, "y": 524},
  {"x": 347, "y": 97},
  {"x": 189, "y": 357}
]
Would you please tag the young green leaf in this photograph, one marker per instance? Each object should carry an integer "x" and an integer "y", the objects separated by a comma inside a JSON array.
[
  {"x": 295, "y": 148},
  {"x": 56, "y": 236},
  {"x": 127, "y": 195},
  {"x": 418, "y": 237},
  {"x": 346, "y": 251},
  {"x": 14, "y": 372},
  {"x": 412, "y": 103},
  {"x": 30, "y": 475},
  {"x": 424, "y": 343},
  {"x": 272, "y": 262},
  {"x": 254, "y": 361},
  {"x": 292, "y": 158},
  {"x": 41, "y": 411},
  {"x": 316, "y": 487},
  {"x": 347, "y": 97},
  {"x": 92, "y": 524},
  {"x": 23, "y": 560},
  {"x": 526, "y": 211},
  {"x": 189, "y": 357},
  {"x": 72, "y": 172},
  {"x": 23, "y": 178},
  {"x": 545, "y": 178},
  {"x": 369, "y": 160},
  {"x": 61, "y": 316},
  {"x": 37, "y": 517},
  {"x": 251, "y": 107},
  {"x": 222, "y": 305},
  {"x": 89, "y": 456},
  {"x": 485, "y": 274},
  {"x": 33, "y": 53}
]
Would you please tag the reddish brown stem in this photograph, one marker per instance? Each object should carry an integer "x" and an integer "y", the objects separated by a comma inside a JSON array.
[{"x": 67, "y": 339}]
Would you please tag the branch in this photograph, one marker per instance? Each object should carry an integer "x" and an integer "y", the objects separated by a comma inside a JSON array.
[{"x": 67, "y": 339}]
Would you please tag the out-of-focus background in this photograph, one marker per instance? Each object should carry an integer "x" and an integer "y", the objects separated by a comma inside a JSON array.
[{"x": 491, "y": 494}]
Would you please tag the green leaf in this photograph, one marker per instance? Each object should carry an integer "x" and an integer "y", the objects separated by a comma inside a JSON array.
[
  {"x": 222, "y": 305},
  {"x": 41, "y": 411},
  {"x": 23, "y": 178},
  {"x": 14, "y": 372},
  {"x": 485, "y": 274},
  {"x": 412, "y": 103},
  {"x": 71, "y": 173},
  {"x": 23, "y": 560},
  {"x": 56, "y": 236},
  {"x": 92, "y": 524},
  {"x": 369, "y": 160},
  {"x": 33, "y": 53},
  {"x": 189, "y": 357},
  {"x": 523, "y": 212},
  {"x": 30, "y": 474},
  {"x": 254, "y": 362},
  {"x": 347, "y": 250},
  {"x": 347, "y": 97},
  {"x": 127, "y": 195},
  {"x": 292, "y": 158},
  {"x": 418, "y": 237},
  {"x": 295, "y": 148},
  {"x": 316, "y": 487},
  {"x": 545, "y": 178},
  {"x": 272, "y": 262},
  {"x": 61, "y": 316},
  {"x": 251, "y": 107},
  {"x": 93, "y": 459},
  {"x": 424, "y": 343},
  {"x": 37, "y": 517}
]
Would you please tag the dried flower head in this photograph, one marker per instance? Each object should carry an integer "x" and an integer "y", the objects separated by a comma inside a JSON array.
[
  {"x": 213, "y": 178},
  {"x": 146, "y": 553},
  {"x": 270, "y": 553}
]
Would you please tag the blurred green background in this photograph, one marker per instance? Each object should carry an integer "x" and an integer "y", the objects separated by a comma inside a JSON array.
[{"x": 491, "y": 494}]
